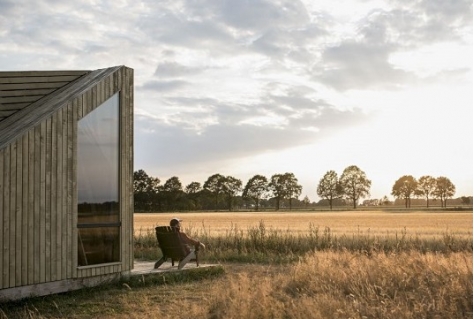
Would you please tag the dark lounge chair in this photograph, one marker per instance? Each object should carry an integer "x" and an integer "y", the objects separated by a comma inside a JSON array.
[{"x": 172, "y": 248}]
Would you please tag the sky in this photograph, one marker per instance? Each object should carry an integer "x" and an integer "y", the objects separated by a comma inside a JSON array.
[{"x": 267, "y": 87}]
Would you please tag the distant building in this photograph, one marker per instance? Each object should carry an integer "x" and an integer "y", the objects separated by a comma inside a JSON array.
[{"x": 66, "y": 179}]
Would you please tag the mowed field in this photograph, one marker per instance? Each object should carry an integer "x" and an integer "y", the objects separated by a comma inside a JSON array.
[{"x": 413, "y": 223}]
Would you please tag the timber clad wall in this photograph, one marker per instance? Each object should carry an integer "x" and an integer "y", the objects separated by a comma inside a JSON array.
[{"x": 38, "y": 188}]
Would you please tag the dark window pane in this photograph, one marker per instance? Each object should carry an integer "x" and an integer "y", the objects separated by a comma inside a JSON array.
[
  {"x": 98, "y": 245},
  {"x": 98, "y": 183}
]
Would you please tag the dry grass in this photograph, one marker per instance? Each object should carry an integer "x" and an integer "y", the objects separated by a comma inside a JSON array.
[
  {"x": 321, "y": 285},
  {"x": 351, "y": 285}
]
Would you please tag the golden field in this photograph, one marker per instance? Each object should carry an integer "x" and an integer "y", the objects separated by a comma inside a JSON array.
[
  {"x": 416, "y": 223},
  {"x": 370, "y": 264}
]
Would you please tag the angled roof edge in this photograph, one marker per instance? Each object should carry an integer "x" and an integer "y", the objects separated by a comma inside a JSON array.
[{"x": 22, "y": 121}]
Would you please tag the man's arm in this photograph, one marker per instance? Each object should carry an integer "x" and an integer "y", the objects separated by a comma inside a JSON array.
[{"x": 190, "y": 241}]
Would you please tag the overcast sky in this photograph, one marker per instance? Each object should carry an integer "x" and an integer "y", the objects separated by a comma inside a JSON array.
[{"x": 263, "y": 87}]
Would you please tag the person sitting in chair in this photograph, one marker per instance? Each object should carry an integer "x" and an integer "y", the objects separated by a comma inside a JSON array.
[{"x": 176, "y": 224}]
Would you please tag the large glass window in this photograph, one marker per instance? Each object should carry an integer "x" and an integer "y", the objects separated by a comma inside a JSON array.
[{"x": 98, "y": 185}]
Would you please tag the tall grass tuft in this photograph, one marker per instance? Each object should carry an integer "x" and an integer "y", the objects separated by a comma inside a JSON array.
[
  {"x": 353, "y": 285},
  {"x": 269, "y": 245}
]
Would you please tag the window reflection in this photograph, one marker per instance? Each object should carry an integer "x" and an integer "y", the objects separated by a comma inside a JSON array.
[{"x": 98, "y": 185}]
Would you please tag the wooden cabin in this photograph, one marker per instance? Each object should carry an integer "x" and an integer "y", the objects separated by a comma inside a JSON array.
[{"x": 66, "y": 179}]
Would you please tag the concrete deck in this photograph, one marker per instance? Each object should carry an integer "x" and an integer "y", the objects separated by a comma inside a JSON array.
[{"x": 146, "y": 267}]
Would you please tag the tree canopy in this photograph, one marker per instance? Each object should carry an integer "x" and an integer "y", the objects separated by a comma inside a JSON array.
[
  {"x": 256, "y": 189},
  {"x": 354, "y": 184},
  {"x": 329, "y": 187},
  {"x": 444, "y": 189},
  {"x": 404, "y": 188}
]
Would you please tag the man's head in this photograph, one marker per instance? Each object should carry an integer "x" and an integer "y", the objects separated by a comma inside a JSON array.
[{"x": 175, "y": 222}]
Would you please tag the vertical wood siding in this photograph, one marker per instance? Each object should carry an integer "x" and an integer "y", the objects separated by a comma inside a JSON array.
[{"x": 38, "y": 192}]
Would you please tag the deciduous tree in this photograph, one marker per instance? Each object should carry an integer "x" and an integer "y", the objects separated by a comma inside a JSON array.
[
  {"x": 256, "y": 189},
  {"x": 306, "y": 201},
  {"x": 329, "y": 187},
  {"x": 172, "y": 190},
  {"x": 215, "y": 185},
  {"x": 231, "y": 188},
  {"x": 354, "y": 184},
  {"x": 404, "y": 188},
  {"x": 293, "y": 189},
  {"x": 145, "y": 191},
  {"x": 192, "y": 191},
  {"x": 444, "y": 189},
  {"x": 284, "y": 186},
  {"x": 277, "y": 187},
  {"x": 426, "y": 187}
]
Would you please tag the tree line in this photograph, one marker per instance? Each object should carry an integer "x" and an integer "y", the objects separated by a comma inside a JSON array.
[
  {"x": 281, "y": 190},
  {"x": 217, "y": 192},
  {"x": 354, "y": 185}
]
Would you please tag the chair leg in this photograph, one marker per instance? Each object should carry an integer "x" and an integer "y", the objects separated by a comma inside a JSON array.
[
  {"x": 183, "y": 262},
  {"x": 160, "y": 262}
]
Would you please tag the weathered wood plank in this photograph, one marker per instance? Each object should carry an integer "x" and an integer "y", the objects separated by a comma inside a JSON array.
[
  {"x": 125, "y": 95},
  {"x": 32, "y": 86},
  {"x": 69, "y": 186},
  {"x": 12, "y": 93},
  {"x": 42, "y": 189},
  {"x": 59, "y": 191},
  {"x": 53, "y": 197},
  {"x": 2, "y": 213},
  {"x": 13, "y": 106},
  {"x": 87, "y": 104},
  {"x": 6, "y": 113},
  {"x": 100, "y": 92},
  {"x": 38, "y": 79},
  {"x": 9, "y": 74},
  {"x": 74, "y": 203},
  {"x": 64, "y": 208},
  {"x": 94, "y": 98},
  {"x": 6, "y": 218},
  {"x": 31, "y": 205},
  {"x": 20, "y": 99},
  {"x": 12, "y": 248},
  {"x": 80, "y": 107},
  {"x": 37, "y": 211},
  {"x": 25, "y": 215},
  {"x": 47, "y": 212},
  {"x": 128, "y": 163},
  {"x": 18, "y": 210}
]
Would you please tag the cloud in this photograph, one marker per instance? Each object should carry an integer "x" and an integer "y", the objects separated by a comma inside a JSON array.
[
  {"x": 173, "y": 69},
  {"x": 356, "y": 65},
  {"x": 261, "y": 15},
  {"x": 164, "y": 85}
]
